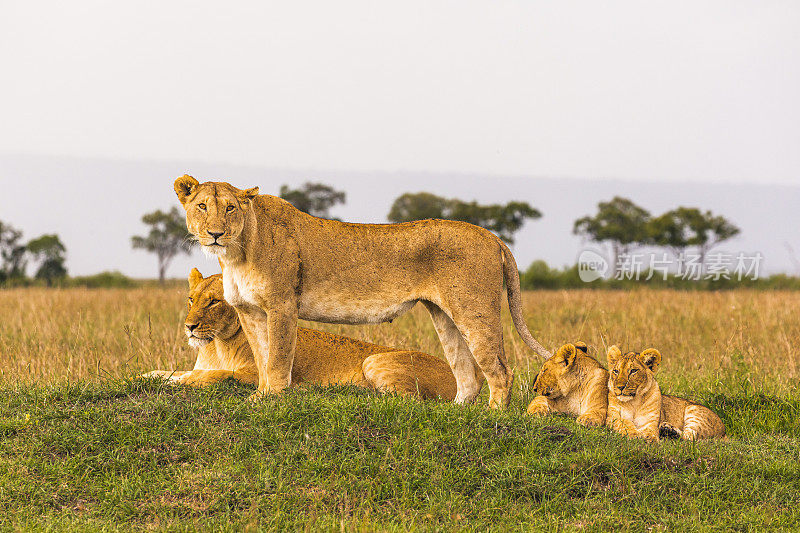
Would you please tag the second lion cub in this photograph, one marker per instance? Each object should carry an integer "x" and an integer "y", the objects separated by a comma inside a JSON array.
[
  {"x": 573, "y": 383},
  {"x": 637, "y": 408}
]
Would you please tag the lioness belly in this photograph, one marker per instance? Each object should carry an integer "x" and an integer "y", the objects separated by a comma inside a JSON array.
[{"x": 350, "y": 311}]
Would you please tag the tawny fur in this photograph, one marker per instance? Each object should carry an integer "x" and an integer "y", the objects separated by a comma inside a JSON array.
[
  {"x": 280, "y": 264},
  {"x": 573, "y": 383},
  {"x": 637, "y": 408},
  {"x": 320, "y": 358}
]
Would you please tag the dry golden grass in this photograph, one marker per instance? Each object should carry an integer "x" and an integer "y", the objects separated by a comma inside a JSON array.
[{"x": 51, "y": 334}]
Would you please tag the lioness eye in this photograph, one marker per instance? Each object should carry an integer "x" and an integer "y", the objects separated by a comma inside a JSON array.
[
  {"x": 616, "y": 371},
  {"x": 634, "y": 371},
  {"x": 213, "y": 302},
  {"x": 230, "y": 208},
  {"x": 201, "y": 207}
]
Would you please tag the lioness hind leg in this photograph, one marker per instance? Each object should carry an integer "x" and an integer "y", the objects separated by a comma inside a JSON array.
[
  {"x": 485, "y": 341},
  {"x": 469, "y": 378},
  {"x": 410, "y": 373}
]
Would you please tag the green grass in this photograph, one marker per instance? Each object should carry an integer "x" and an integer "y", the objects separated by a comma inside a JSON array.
[{"x": 133, "y": 454}]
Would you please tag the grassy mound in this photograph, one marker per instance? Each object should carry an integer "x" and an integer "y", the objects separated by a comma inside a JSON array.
[{"x": 141, "y": 455}]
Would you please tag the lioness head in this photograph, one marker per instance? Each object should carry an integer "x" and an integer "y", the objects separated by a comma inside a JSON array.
[
  {"x": 550, "y": 380},
  {"x": 632, "y": 373},
  {"x": 209, "y": 315},
  {"x": 215, "y": 211}
]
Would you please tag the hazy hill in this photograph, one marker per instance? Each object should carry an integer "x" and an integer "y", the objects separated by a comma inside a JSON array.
[{"x": 96, "y": 204}]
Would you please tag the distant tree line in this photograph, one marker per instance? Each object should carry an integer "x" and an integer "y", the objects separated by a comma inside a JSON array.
[
  {"x": 46, "y": 253},
  {"x": 623, "y": 225},
  {"x": 618, "y": 223}
]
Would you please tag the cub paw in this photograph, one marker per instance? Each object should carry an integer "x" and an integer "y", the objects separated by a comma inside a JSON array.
[
  {"x": 538, "y": 408},
  {"x": 590, "y": 421},
  {"x": 668, "y": 431}
]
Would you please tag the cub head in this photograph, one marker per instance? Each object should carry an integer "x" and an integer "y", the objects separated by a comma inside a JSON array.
[
  {"x": 550, "y": 378},
  {"x": 632, "y": 373},
  {"x": 215, "y": 211},
  {"x": 210, "y": 316}
]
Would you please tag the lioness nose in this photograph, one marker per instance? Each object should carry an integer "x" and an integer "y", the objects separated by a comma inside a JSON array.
[
  {"x": 215, "y": 234},
  {"x": 191, "y": 327}
]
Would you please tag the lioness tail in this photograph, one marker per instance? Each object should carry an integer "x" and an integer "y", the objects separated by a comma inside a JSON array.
[{"x": 511, "y": 274}]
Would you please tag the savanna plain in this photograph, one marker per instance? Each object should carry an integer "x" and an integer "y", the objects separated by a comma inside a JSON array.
[{"x": 85, "y": 446}]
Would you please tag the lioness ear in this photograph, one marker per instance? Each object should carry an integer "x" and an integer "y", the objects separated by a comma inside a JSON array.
[
  {"x": 567, "y": 353},
  {"x": 651, "y": 358},
  {"x": 613, "y": 354},
  {"x": 580, "y": 345},
  {"x": 248, "y": 194},
  {"x": 184, "y": 187},
  {"x": 195, "y": 277}
]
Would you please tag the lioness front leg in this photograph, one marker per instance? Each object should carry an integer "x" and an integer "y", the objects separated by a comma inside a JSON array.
[{"x": 272, "y": 336}]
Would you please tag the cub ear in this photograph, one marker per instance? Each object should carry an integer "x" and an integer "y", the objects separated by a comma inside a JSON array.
[
  {"x": 195, "y": 277},
  {"x": 651, "y": 358},
  {"x": 580, "y": 345},
  {"x": 248, "y": 194},
  {"x": 613, "y": 354},
  {"x": 567, "y": 353},
  {"x": 184, "y": 186}
]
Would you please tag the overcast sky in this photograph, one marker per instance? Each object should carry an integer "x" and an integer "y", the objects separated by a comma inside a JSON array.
[
  {"x": 436, "y": 95},
  {"x": 696, "y": 90}
]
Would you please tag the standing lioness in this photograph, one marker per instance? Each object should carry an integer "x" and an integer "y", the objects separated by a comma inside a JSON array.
[{"x": 281, "y": 264}]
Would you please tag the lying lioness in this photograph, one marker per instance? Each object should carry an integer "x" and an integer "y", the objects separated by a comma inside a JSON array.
[
  {"x": 573, "y": 383},
  {"x": 280, "y": 264},
  {"x": 321, "y": 358},
  {"x": 637, "y": 408}
]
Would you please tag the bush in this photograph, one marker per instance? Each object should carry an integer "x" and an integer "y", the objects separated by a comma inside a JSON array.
[{"x": 103, "y": 279}]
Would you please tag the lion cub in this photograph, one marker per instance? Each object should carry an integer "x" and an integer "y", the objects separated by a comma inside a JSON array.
[
  {"x": 574, "y": 383},
  {"x": 637, "y": 408}
]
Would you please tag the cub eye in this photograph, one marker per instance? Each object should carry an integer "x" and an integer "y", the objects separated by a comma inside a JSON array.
[
  {"x": 633, "y": 371},
  {"x": 191, "y": 301},
  {"x": 230, "y": 208},
  {"x": 615, "y": 371},
  {"x": 201, "y": 207},
  {"x": 213, "y": 302}
]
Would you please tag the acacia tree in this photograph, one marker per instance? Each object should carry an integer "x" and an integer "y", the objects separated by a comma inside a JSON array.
[
  {"x": 673, "y": 230},
  {"x": 168, "y": 236},
  {"x": 620, "y": 223},
  {"x": 686, "y": 227},
  {"x": 50, "y": 252},
  {"x": 503, "y": 219},
  {"x": 12, "y": 253},
  {"x": 712, "y": 230},
  {"x": 313, "y": 198}
]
